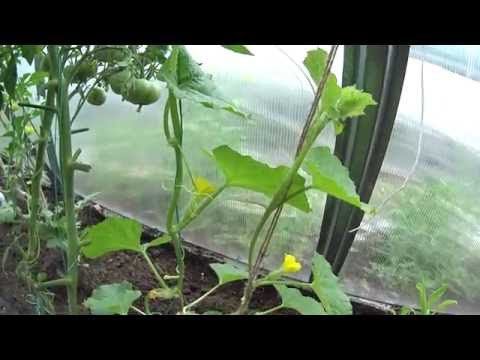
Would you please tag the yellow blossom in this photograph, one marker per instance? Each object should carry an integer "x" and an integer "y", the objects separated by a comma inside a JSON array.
[
  {"x": 290, "y": 264},
  {"x": 29, "y": 130},
  {"x": 203, "y": 186}
]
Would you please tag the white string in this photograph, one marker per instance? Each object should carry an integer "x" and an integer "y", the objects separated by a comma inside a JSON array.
[{"x": 417, "y": 156}]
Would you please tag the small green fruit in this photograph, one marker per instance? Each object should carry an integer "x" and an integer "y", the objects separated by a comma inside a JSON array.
[
  {"x": 142, "y": 91},
  {"x": 97, "y": 97}
]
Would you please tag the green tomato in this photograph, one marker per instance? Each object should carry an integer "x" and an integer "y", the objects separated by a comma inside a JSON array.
[
  {"x": 142, "y": 91},
  {"x": 97, "y": 97},
  {"x": 111, "y": 55},
  {"x": 119, "y": 80}
]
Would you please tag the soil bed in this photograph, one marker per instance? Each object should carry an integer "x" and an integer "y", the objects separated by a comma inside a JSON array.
[{"x": 130, "y": 266}]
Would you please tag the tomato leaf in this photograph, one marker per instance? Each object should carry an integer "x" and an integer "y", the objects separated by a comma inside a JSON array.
[
  {"x": 245, "y": 172},
  {"x": 293, "y": 299},
  {"x": 112, "y": 299},
  {"x": 326, "y": 287},
  {"x": 329, "y": 175},
  {"x": 228, "y": 273},
  {"x": 241, "y": 49},
  {"x": 186, "y": 80},
  {"x": 113, "y": 234}
]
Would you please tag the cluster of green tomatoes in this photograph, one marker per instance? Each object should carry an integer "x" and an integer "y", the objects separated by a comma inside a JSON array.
[{"x": 121, "y": 78}]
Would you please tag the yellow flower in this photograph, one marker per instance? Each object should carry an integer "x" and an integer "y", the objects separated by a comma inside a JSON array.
[
  {"x": 203, "y": 186},
  {"x": 290, "y": 264},
  {"x": 29, "y": 130}
]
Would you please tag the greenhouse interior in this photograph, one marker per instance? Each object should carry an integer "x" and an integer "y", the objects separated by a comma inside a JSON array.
[{"x": 239, "y": 180}]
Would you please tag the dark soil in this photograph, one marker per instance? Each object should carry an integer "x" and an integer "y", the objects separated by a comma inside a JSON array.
[{"x": 130, "y": 266}]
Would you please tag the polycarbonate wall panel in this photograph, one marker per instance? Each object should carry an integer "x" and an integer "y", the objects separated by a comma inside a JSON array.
[
  {"x": 429, "y": 229},
  {"x": 133, "y": 168}
]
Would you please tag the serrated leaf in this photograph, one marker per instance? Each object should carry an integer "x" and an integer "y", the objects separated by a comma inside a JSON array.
[
  {"x": 352, "y": 102},
  {"x": 245, "y": 172},
  {"x": 112, "y": 299},
  {"x": 186, "y": 80},
  {"x": 227, "y": 273},
  {"x": 241, "y": 49},
  {"x": 329, "y": 175},
  {"x": 113, "y": 234},
  {"x": 326, "y": 286},
  {"x": 293, "y": 299}
]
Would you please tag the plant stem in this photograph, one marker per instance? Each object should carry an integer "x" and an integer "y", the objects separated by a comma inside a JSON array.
[
  {"x": 314, "y": 125},
  {"x": 276, "y": 201},
  {"x": 284, "y": 282},
  {"x": 67, "y": 174},
  {"x": 269, "y": 311},
  {"x": 154, "y": 270},
  {"x": 54, "y": 283},
  {"x": 172, "y": 230},
  {"x": 201, "y": 298},
  {"x": 34, "y": 240}
]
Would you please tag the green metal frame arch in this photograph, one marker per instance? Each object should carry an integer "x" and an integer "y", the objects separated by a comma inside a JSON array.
[{"x": 379, "y": 70}]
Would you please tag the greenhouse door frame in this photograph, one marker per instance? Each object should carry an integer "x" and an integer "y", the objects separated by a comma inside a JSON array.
[{"x": 379, "y": 70}]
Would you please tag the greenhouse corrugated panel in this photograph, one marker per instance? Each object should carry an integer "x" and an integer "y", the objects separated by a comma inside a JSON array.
[
  {"x": 133, "y": 168},
  {"x": 427, "y": 230}
]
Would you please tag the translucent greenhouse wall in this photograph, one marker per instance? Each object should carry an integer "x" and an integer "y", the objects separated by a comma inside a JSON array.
[
  {"x": 133, "y": 168},
  {"x": 429, "y": 229}
]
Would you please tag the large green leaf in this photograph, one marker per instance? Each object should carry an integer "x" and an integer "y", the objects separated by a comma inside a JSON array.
[
  {"x": 293, "y": 299},
  {"x": 113, "y": 299},
  {"x": 241, "y": 49},
  {"x": 186, "y": 80},
  {"x": 315, "y": 63},
  {"x": 329, "y": 175},
  {"x": 228, "y": 273},
  {"x": 113, "y": 234},
  {"x": 116, "y": 234},
  {"x": 245, "y": 172},
  {"x": 326, "y": 287}
]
